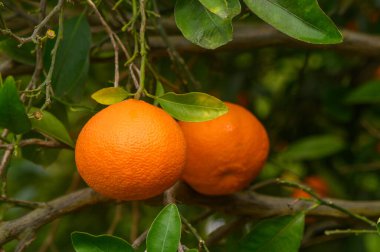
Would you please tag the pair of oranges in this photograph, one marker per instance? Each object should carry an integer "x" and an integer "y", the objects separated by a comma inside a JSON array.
[{"x": 133, "y": 150}]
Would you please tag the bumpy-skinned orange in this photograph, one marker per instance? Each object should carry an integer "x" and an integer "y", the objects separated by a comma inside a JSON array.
[
  {"x": 130, "y": 150},
  {"x": 224, "y": 154}
]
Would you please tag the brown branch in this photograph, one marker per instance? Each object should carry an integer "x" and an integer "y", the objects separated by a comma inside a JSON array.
[
  {"x": 257, "y": 36},
  {"x": 35, "y": 35},
  {"x": 243, "y": 204},
  {"x": 32, "y": 221}
]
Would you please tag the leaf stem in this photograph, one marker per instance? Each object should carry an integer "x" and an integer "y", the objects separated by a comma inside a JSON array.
[
  {"x": 143, "y": 51},
  {"x": 201, "y": 242}
]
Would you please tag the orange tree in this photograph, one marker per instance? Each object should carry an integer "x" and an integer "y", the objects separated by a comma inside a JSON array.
[{"x": 308, "y": 70}]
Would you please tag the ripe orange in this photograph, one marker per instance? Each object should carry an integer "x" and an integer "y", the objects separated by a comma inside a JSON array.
[
  {"x": 225, "y": 154},
  {"x": 316, "y": 183},
  {"x": 130, "y": 151}
]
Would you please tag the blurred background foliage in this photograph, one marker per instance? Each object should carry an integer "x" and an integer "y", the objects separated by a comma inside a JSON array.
[{"x": 320, "y": 107}]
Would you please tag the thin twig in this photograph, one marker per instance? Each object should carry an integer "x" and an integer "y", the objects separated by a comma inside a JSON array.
[
  {"x": 201, "y": 242},
  {"x": 35, "y": 35},
  {"x": 23, "y": 203},
  {"x": 28, "y": 237},
  {"x": 135, "y": 213},
  {"x": 350, "y": 231},
  {"x": 136, "y": 243},
  {"x": 116, "y": 219},
  {"x": 326, "y": 202},
  {"x": 112, "y": 36},
  {"x": 54, "y": 51},
  {"x": 143, "y": 50},
  {"x": 3, "y": 169}
]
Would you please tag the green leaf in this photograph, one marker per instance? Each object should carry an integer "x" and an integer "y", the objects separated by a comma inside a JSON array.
[
  {"x": 23, "y": 54},
  {"x": 110, "y": 95},
  {"x": 12, "y": 111},
  {"x": 302, "y": 20},
  {"x": 159, "y": 91},
  {"x": 49, "y": 125},
  {"x": 84, "y": 242},
  {"x": 192, "y": 250},
  {"x": 277, "y": 234},
  {"x": 222, "y": 8},
  {"x": 366, "y": 93},
  {"x": 192, "y": 107},
  {"x": 165, "y": 233},
  {"x": 72, "y": 59},
  {"x": 314, "y": 147},
  {"x": 200, "y": 26}
]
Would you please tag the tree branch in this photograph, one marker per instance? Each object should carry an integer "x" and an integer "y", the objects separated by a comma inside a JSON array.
[
  {"x": 257, "y": 36},
  {"x": 243, "y": 204},
  {"x": 35, "y": 219}
]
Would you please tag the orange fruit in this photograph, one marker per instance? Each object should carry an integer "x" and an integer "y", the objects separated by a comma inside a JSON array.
[
  {"x": 130, "y": 150},
  {"x": 316, "y": 183},
  {"x": 225, "y": 154}
]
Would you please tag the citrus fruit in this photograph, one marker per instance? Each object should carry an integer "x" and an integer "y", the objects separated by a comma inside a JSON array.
[
  {"x": 130, "y": 150},
  {"x": 318, "y": 184},
  {"x": 224, "y": 154}
]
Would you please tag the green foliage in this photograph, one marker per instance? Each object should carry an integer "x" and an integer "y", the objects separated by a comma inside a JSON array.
[
  {"x": 303, "y": 20},
  {"x": 12, "y": 111},
  {"x": 192, "y": 107},
  {"x": 277, "y": 234},
  {"x": 72, "y": 58},
  {"x": 165, "y": 231},
  {"x": 84, "y": 242},
  {"x": 223, "y": 8},
  {"x": 200, "y": 26},
  {"x": 320, "y": 109},
  {"x": 49, "y": 125},
  {"x": 22, "y": 54},
  {"x": 110, "y": 95},
  {"x": 159, "y": 91},
  {"x": 314, "y": 147},
  {"x": 367, "y": 93},
  {"x": 209, "y": 23}
]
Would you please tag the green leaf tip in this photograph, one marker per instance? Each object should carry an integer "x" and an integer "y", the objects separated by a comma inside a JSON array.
[
  {"x": 302, "y": 20},
  {"x": 85, "y": 242},
  {"x": 110, "y": 95},
  {"x": 165, "y": 231},
  {"x": 192, "y": 107}
]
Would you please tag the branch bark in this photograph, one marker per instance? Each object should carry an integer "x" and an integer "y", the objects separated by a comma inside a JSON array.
[
  {"x": 243, "y": 204},
  {"x": 257, "y": 36}
]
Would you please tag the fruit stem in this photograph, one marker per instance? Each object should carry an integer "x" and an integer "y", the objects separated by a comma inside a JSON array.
[{"x": 143, "y": 51}]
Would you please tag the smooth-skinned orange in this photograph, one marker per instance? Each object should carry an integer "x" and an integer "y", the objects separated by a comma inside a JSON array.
[
  {"x": 224, "y": 154},
  {"x": 130, "y": 150}
]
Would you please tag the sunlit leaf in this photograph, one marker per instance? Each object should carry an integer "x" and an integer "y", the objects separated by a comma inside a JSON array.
[
  {"x": 12, "y": 111},
  {"x": 192, "y": 107},
  {"x": 367, "y": 93},
  {"x": 222, "y": 8},
  {"x": 277, "y": 234},
  {"x": 84, "y": 242},
  {"x": 303, "y": 20},
  {"x": 200, "y": 26},
  {"x": 110, "y": 95},
  {"x": 314, "y": 147},
  {"x": 165, "y": 232},
  {"x": 49, "y": 125}
]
